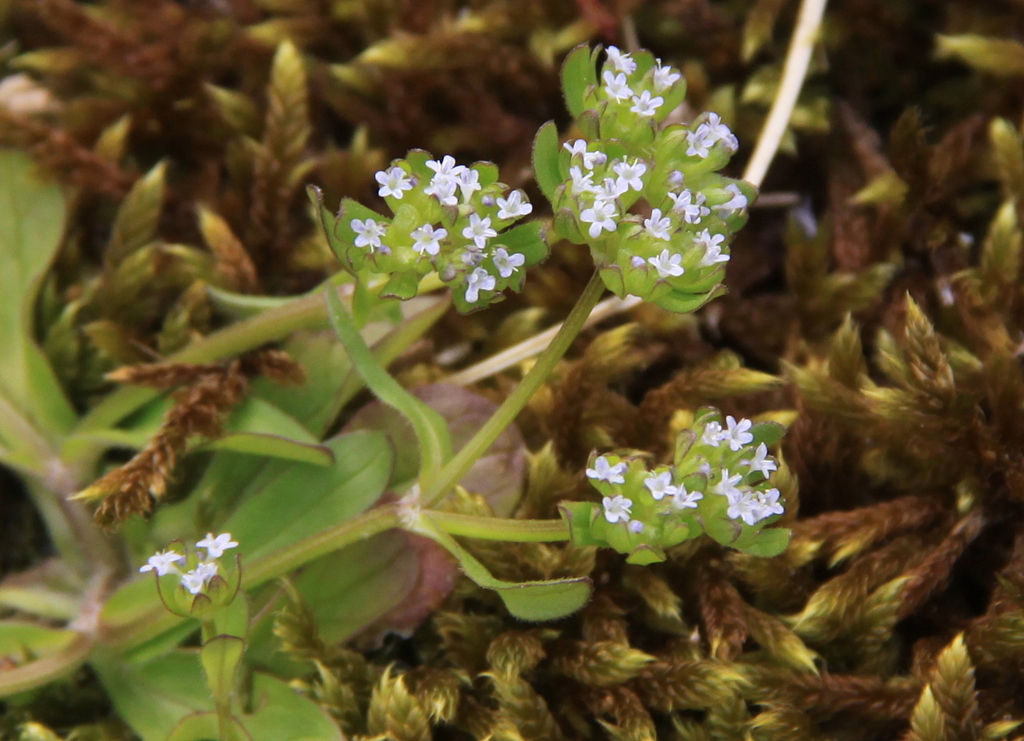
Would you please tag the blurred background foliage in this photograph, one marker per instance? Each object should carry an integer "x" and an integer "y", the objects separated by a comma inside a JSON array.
[{"x": 875, "y": 303}]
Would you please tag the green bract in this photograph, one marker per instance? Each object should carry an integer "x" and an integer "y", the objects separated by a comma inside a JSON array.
[
  {"x": 719, "y": 484},
  {"x": 646, "y": 198}
]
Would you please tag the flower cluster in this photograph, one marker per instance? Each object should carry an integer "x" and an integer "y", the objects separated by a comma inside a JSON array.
[
  {"x": 719, "y": 484},
  {"x": 447, "y": 217},
  {"x": 200, "y": 576},
  {"x": 646, "y": 198}
]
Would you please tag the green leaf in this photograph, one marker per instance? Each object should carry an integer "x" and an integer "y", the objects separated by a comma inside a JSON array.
[
  {"x": 220, "y": 657},
  {"x": 259, "y": 428},
  {"x": 203, "y": 727},
  {"x": 431, "y": 430},
  {"x": 533, "y": 600},
  {"x": 768, "y": 433},
  {"x": 579, "y": 516},
  {"x": 282, "y": 714},
  {"x": 288, "y": 501},
  {"x": 768, "y": 542},
  {"x": 338, "y": 228},
  {"x": 30, "y": 640},
  {"x": 545, "y": 161},
  {"x": 528, "y": 239},
  {"x": 48, "y": 654},
  {"x": 578, "y": 73}
]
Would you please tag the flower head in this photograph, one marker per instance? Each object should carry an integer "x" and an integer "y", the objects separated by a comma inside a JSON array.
[
  {"x": 736, "y": 203},
  {"x": 712, "y": 434},
  {"x": 658, "y": 226},
  {"x": 615, "y": 86},
  {"x": 507, "y": 264},
  {"x": 617, "y": 508},
  {"x": 664, "y": 77},
  {"x": 737, "y": 434},
  {"x": 600, "y": 216},
  {"x": 667, "y": 264},
  {"x": 699, "y": 143},
  {"x": 581, "y": 183},
  {"x": 163, "y": 563},
  {"x": 712, "y": 245},
  {"x": 611, "y": 189},
  {"x": 689, "y": 205},
  {"x": 683, "y": 499},
  {"x": 645, "y": 105},
  {"x": 744, "y": 506},
  {"x": 428, "y": 239},
  {"x": 728, "y": 486},
  {"x": 215, "y": 547},
  {"x": 479, "y": 230},
  {"x": 621, "y": 61},
  {"x": 660, "y": 485},
  {"x": 469, "y": 182},
  {"x": 478, "y": 280},
  {"x": 514, "y": 207},
  {"x": 368, "y": 233},
  {"x": 630, "y": 173},
  {"x": 393, "y": 182},
  {"x": 445, "y": 168},
  {"x": 443, "y": 188},
  {"x": 768, "y": 504},
  {"x": 195, "y": 581},
  {"x": 761, "y": 462},
  {"x": 604, "y": 471},
  {"x": 716, "y": 131}
]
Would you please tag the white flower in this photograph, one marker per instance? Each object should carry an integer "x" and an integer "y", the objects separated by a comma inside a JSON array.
[
  {"x": 197, "y": 579},
  {"x": 744, "y": 506},
  {"x": 616, "y": 509},
  {"x": 443, "y": 188},
  {"x": 579, "y": 146},
  {"x": 712, "y": 245},
  {"x": 659, "y": 226},
  {"x": 446, "y": 168},
  {"x": 716, "y": 131},
  {"x": 514, "y": 206},
  {"x": 590, "y": 159},
  {"x": 676, "y": 178},
  {"x": 472, "y": 257},
  {"x": 621, "y": 62},
  {"x": 478, "y": 280},
  {"x": 507, "y": 264},
  {"x": 660, "y": 484},
  {"x": 727, "y": 486},
  {"x": 604, "y": 471},
  {"x": 393, "y": 182},
  {"x": 683, "y": 499},
  {"x": 636, "y": 261},
  {"x": 712, "y": 434},
  {"x": 667, "y": 264},
  {"x": 630, "y": 174},
  {"x": 768, "y": 504},
  {"x": 615, "y": 86},
  {"x": 163, "y": 562},
  {"x": 645, "y": 105},
  {"x": 600, "y": 216},
  {"x": 479, "y": 230},
  {"x": 664, "y": 77},
  {"x": 698, "y": 142},
  {"x": 610, "y": 189},
  {"x": 761, "y": 462},
  {"x": 428, "y": 239},
  {"x": 468, "y": 182},
  {"x": 690, "y": 206},
  {"x": 635, "y": 526},
  {"x": 215, "y": 547},
  {"x": 737, "y": 435},
  {"x": 736, "y": 203},
  {"x": 368, "y": 233},
  {"x": 581, "y": 183}
]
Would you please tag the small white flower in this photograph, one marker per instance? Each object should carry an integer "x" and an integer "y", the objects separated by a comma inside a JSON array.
[
  {"x": 738, "y": 201},
  {"x": 478, "y": 280},
  {"x": 446, "y": 168},
  {"x": 604, "y": 471},
  {"x": 368, "y": 233},
  {"x": 737, "y": 435},
  {"x": 645, "y": 105},
  {"x": 610, "y": 189},
  {"x": 594, "y": 159},
  {"x": 469, "y": 182},
  {"x": 428, "y": 239},
  {"x": 163, "y": 562},
  {"x": 600, "y": 216},
  {"x": 712, "y": 434},
  {"x": 658, "y": 226},
  {"x": 507, "y": 264},
  {"x": 581, "y": 183},
  {"x": 472, "y": 256},
  {"x": 636, "y": 261},
  {"x": 579, "y": 146},
  {"x": 683, "y": 499},
  {"x": 660, "y": 485},
  {"x": 616, "y": 509},
  {"x": 631, "y": 173},
  {"x": 727, "y": 487},
  {"x": 635, "y": 526},
  {"x": 667, "y": 264},
  {"x": 479, "y": 230},
  {"x": 689, "y": 205},
  {"x": 712, "y": 246},
  {"x": 514, "y": 206},
  {"x": 215, "y": 547},
  {"x": 195, "y": 581},
  {"x": 717, "y": 131},
  {"x": 761, "y": 462},
  {"x": 615, "y": 86},
  {"x": 664, "y": 77},
  {"x": 768, "y": 504},
  {"x": 699, "y": 142},
  {"x": 676, "y": 178},
  {"x": 443, "y": 188},
  {"x": 393, "y": 182},
  {"x": 620, "y": 61},
  {"x": 744, "y": 506}
]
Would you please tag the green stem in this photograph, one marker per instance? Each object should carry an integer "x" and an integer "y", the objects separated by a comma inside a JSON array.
[
  {"x": 497, "y": 528},
  {"x": 458, "y": 466}
]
